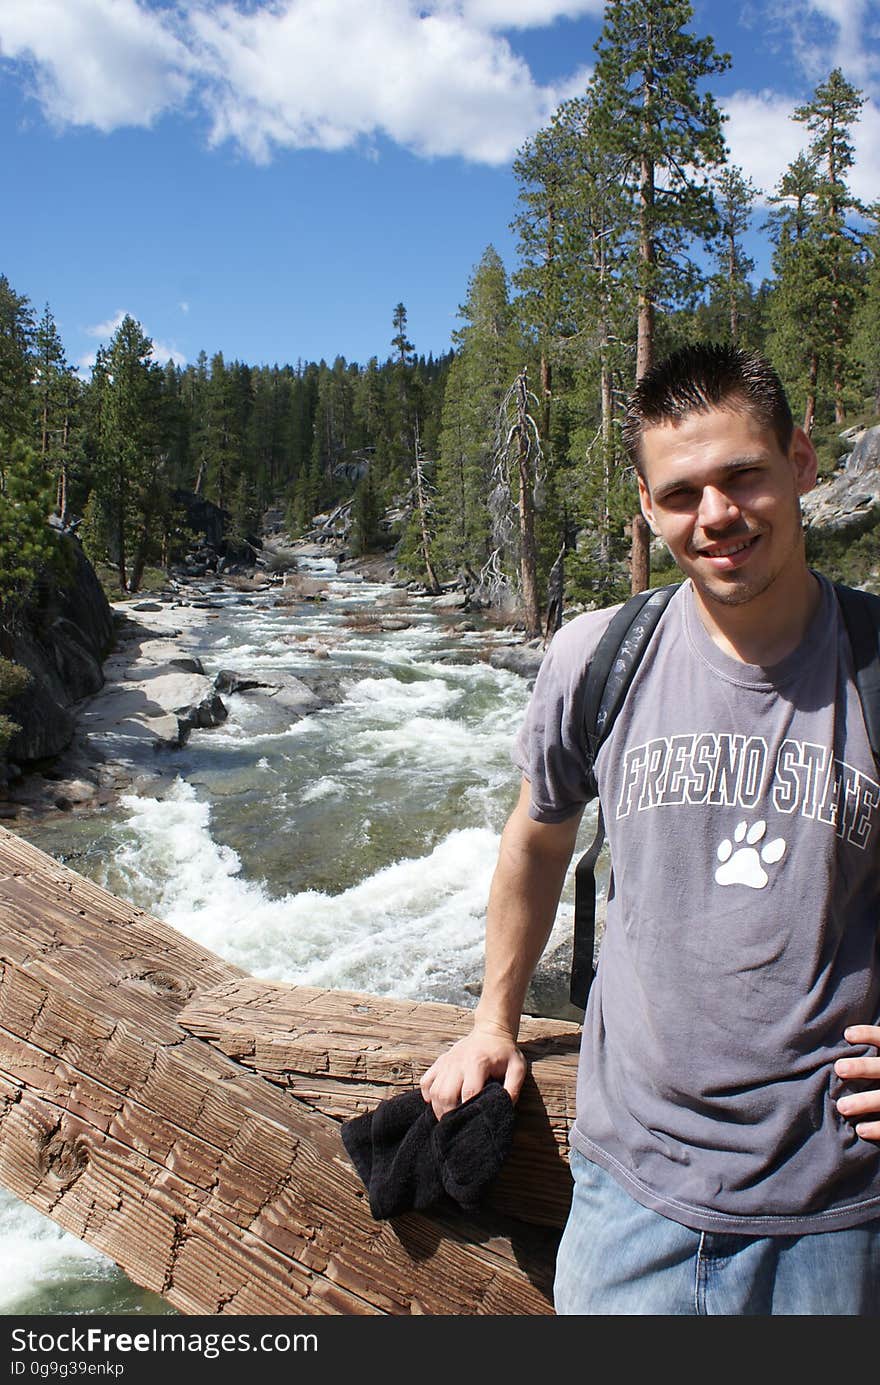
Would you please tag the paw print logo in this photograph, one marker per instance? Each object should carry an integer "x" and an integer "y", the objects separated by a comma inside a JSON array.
[{"x": 744, "y": 866}]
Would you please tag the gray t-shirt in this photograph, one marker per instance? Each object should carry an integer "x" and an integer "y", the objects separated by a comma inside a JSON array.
[{"x": 743, "y": 922}]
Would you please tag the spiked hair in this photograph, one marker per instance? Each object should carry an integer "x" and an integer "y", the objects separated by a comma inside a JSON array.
[{"x": 704, "y": 376}]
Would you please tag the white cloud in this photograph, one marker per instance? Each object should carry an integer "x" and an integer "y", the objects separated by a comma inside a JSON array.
[
  {"x": 522, "y": 14},
  {"x": 438, "y": 78},
  {"x": 162, "y": 353},
  {"x": 824, "y": 34},
  {"x": 103, "y": 63},
  {"x": 183, "y": 306},
  {"x": 761, "y": 135},
  {"x": 327, "y": 73},
  {"x": 103, "y": 331}
]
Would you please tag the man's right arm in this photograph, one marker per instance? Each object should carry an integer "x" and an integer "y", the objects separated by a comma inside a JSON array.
[{"x": 523, "y": 900}]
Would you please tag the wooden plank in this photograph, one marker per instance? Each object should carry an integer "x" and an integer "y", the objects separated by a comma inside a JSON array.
[{"x": 206, "y": 1182}]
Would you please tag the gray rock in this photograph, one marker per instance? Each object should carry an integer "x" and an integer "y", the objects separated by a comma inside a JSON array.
[
  {"x": 187, "y": 665},
  {"x": 453, "y": 601},
  {"x": 851, "y": 497},
  {"x": 521, "y": 659},
  {"x": 227, "y": 681},
  {"x": 63, "y": 645}
]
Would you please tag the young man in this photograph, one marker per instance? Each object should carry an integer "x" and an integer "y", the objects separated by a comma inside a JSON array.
[{"x": 726, "y": 1148}]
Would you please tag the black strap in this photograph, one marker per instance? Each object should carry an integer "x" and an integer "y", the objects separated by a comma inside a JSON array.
[
  {"x": 861, "y": 616},
  {"x": 584, "y": 941},
  {"x": 611, "y": 672}
]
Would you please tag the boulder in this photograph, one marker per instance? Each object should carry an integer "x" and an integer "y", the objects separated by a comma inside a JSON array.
[
  {"x": 522, "y": 659},
  {"x": 227, "y": 681}
]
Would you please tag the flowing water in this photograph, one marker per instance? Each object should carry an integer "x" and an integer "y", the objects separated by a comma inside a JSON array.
[{"x": 353, "y": 848}]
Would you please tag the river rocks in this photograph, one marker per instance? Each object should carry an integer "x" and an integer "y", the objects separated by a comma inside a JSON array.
[
  {"x": 188, "y": 665},
  {"x": 228, "y": 682},
  {"x": 211, "y": 711},
  {"x": 524, "y": 659}
]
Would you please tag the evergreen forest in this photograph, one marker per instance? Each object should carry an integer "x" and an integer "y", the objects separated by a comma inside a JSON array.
[{"x": 500, "y": 463}]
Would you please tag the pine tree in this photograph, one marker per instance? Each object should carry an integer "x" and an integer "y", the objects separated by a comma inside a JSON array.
[
  {"x": 865, "y": 344},
  {"x": 490, "y": 353},
  {"x": 132, "y": 486},
  {"x": 16, "y": 368},
  {"x": 798, "y": 310},
  {"x": 735, "y": 199},
  {"x": 834, "y": 108},
  {"x": 650, "y": 110},
  {"x": 56, "y": 395}
]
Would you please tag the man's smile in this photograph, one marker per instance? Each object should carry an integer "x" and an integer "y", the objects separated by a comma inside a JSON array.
[{"x": 730, "y": 554}]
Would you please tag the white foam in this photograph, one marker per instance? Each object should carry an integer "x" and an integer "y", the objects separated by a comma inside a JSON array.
[
  {"x": 323, "y": 788},
  {"x": 34, "y": 1252},
  {"x": 409, "y": 928},
  {"x": 389, "y": 697}
]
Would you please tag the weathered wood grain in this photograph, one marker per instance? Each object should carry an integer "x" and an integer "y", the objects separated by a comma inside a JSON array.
[{"x": 184, "y": 1118}]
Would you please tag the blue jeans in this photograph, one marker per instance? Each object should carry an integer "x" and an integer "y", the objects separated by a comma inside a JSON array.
[{"x": 617, "y": 1257}]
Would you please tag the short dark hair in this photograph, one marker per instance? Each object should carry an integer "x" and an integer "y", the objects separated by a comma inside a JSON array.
[{"x": 706, "y": 375}]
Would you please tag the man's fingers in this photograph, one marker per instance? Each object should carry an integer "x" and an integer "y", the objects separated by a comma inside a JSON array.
[
  {"x": 863, "y": 1034},
  {"x": 868, "y": 1130},
  {"x": 860, "y": 1068},
  {"x": 859, "y": 1104},
  {"x": 515, "y": 1076}
]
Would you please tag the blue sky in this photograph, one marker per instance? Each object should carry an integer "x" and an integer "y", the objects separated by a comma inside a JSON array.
[{"x": 270, "y": 179}]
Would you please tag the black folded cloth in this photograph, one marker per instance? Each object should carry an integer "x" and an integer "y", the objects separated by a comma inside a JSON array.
[{"x": 407, "y": 1159}]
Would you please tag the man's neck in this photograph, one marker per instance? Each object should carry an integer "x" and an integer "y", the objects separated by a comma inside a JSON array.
[{"x": 765, "y": 630}]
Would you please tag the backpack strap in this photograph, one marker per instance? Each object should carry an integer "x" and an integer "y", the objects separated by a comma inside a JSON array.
[
  {"x": 612, "y": 669},
  {"x": 861, "y": 616}
]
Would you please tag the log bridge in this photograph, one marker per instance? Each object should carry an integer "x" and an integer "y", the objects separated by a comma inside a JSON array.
[{"x": 183, "y": 1117}]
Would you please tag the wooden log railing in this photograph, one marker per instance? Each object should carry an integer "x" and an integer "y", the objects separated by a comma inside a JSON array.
[{"x": 184, "y": 1117}]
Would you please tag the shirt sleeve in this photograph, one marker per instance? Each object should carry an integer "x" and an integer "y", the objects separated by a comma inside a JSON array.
[{"x": 550, "y": 748}]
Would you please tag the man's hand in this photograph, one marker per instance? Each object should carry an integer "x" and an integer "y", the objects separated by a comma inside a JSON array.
[
  {"x": 862, "y": 1104},
  {"x": 526, "y": 886},
  {"x": 464, "y": 1069}
]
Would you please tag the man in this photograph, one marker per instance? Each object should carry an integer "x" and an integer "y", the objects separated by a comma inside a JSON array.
[{"x": 726, "y": 1148}]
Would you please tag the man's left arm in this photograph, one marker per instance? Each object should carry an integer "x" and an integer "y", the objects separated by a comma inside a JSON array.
[{"x": 863, "y": 1107}]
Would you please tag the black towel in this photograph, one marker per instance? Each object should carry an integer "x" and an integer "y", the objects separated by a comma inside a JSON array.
[{"x": 406, "y": 1158}]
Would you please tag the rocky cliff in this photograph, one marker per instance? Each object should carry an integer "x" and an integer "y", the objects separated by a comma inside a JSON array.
[
  {"x": 62, "y": 639},
  {"x": 851, "y": 498}
]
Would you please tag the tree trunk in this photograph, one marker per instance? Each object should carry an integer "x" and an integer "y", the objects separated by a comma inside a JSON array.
[
  {"x": 607, "y": 458},
  {"x": 640, "y": 554},
  {"x": 183, "y": 1118},
  {"x": 810, "y": 409},
  {"x": 731, "y": 283},
  {"x": 546, "y": 398},
  {"x": 528, "y": 553}
]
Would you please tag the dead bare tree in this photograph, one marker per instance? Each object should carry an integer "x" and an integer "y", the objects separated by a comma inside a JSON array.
[{"x": 516, "y": 477}]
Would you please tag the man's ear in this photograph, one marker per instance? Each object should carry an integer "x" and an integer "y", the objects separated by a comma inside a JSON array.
[
  {"x": 804, "y": 460},
  {"x": 645, "y": 502}
]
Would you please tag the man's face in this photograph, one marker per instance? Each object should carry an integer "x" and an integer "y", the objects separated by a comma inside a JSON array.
[{"x": 723, "y": 495}]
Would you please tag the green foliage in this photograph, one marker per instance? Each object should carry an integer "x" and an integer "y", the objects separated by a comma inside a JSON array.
[
  {"x": 14, "y": 680},
  {"x": 26, "y": 543},
  {"x": 818, "y": 259},
  {"x": 16, "y": 343},
  {"x": 491, "y": 351},
  {"x": 850, "y": 555},
  {"x": 652, "y": 111}
]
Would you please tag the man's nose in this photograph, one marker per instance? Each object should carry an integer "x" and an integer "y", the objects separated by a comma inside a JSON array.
[{"x": 716, "y": 508}]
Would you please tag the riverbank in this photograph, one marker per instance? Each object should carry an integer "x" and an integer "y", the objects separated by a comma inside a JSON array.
[{"x": 156, "y": 690}]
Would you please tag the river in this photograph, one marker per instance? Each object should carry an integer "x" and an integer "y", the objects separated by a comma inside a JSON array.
[{"x": 351, "y": 849}]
